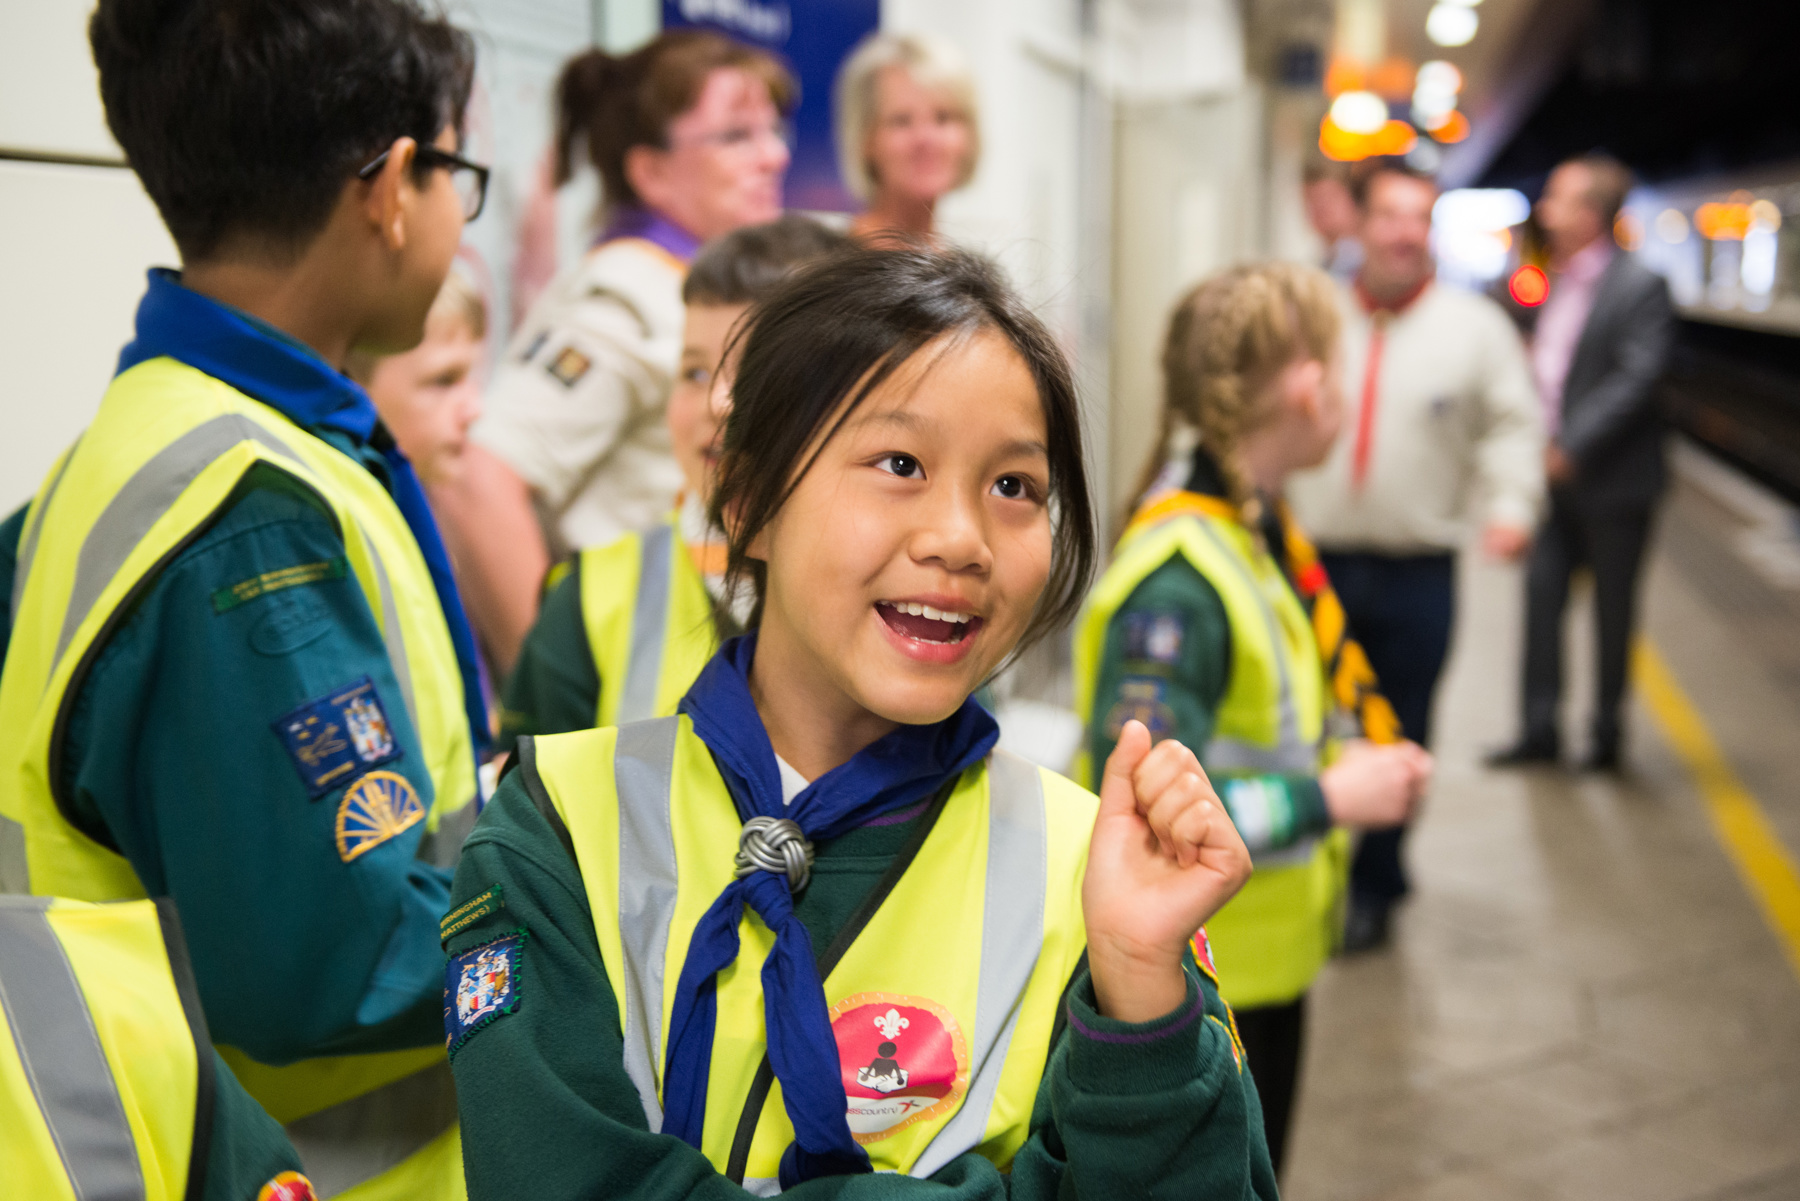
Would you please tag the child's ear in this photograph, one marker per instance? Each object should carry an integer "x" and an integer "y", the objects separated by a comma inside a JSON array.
[
  {"x": 386, "y": 204},
  {"x": 1305, "y": 384}
]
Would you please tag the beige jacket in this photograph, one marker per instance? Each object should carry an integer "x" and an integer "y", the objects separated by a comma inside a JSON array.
[
  {"x": 1456, "y": 436},
  {"x": 577, "y": 406}
]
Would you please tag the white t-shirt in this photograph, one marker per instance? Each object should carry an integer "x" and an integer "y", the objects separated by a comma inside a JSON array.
[
  {"x": 792, "y": 782},
  {"x": 577, "y": 406},
  {"x": 1455, "y": 431}
]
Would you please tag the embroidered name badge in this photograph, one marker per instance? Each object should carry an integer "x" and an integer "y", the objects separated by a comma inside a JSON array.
[
  {"x": 380, "y": 806},
  {"x": 471, "y": 911},
  {"x": 288, "y": 1186},
  {"x": 569, "y": 366},
  {"x": 903, "y": 1060},
  {"x": 1141, "y": 697},
  {"x": 480, "y": 985},
  {"x": 337, "y": 737},
  {"x": 1153, "y": 637},
  {"x": 224, "y": 600}
]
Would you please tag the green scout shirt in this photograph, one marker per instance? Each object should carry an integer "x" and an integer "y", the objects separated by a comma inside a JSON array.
[
  {"x": 1179, "y": 688},
  {"x": 11, "y": 530},
  {"x": 555, "y": 686},
  {"x": 173, "y": 757},
  {"x": 249, "y": 1148},
  {"x": 1158, "y": 1109}
]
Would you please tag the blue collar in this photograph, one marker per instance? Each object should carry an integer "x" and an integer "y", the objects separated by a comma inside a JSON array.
[{"x": 267, "y": 365}]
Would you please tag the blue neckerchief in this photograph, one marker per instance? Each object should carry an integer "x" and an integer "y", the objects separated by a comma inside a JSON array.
[
  {"x": 283, "y": 373},
  {"x": 898, "y": 770},
  {"x": 651, "y": 226}
]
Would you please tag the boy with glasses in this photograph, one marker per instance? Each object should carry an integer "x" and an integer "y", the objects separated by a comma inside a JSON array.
[{"x": 239, "y": 674}]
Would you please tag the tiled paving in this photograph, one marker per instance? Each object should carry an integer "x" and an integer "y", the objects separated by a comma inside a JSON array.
[{"x": 1582, "y": 1001}]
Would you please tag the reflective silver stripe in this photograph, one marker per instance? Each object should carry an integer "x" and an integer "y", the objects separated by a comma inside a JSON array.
[
  {"x": 62, "y": 1056},
  {"x": 1291, "y": 752},
  {"x": 359, "y": 1139},
  {"x": 643, "y": 773},
  {"x": 392, "y": 638},
  {"x": 15, "y": 874},
  {"x": 34, "y": 524},
  {"x": 150, "y": 493},
  {"x": 1012, "y": 936},
  {"x": 649, "y": 626}
]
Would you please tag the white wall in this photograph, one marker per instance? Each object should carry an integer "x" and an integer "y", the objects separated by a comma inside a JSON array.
[{"x": 75, "y": 241}]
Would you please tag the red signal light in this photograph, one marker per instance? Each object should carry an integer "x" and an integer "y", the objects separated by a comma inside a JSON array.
[{"x": 1529, "y": 286}]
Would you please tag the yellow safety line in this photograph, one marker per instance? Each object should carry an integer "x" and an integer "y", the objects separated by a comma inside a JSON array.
[{"x": 1742, "y": 828}]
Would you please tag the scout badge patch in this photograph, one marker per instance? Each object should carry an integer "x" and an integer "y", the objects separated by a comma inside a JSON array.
[
  {"x": 481, "y": 985},
  {"x": 338, "y": 736},
  {"x": 904, "y": 1060},
  {"x": 380, "y": 806}
]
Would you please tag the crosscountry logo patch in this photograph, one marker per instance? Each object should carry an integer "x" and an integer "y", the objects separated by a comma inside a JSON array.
[
  {"x": 378, "y": 807},
  {"x": 904, "y": 1060}
]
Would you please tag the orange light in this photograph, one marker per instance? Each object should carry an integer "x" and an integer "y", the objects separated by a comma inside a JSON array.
[
  {"x": 1727, "y": 222},
  {"x": 1529, "y": 286},
  {"x": 1452, "y": 129},
  {"x": 1344, "y": 75},
  {"x": 1393, "y": 79},
  {"x": 1628, "y": 232},
  {"x": 1336, "y": 142}
]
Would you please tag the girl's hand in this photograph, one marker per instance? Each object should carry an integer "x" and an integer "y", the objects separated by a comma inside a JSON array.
[
  {"x": 1164, "y": 858},
  {"x": 1371, "y": 787}
]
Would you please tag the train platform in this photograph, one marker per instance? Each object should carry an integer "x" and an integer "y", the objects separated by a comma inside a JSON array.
[{"x": 1594, "y": 990}]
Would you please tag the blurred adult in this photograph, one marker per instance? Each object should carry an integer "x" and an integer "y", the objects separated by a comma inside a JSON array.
[
  {"x": 1443, "y": 427},
  {"x": 1332, "y": 214},
  {"x": 907, "y": 132},
  {"x": 1599, "y": 345},
  {"x": 688, "y": 137}
]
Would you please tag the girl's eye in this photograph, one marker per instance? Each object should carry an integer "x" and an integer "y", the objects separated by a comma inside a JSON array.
[
  {"x": 1013, "y": 487},
  {"x": 697, "y": 375},
  {"x": 904, "y": 466}
]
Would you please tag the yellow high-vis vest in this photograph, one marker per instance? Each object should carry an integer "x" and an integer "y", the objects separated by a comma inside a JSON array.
[
  {"x": 102, "y": 1054},
  {"x": 649, "y": 622},
  {"x": 943, "y": 1026},
  {"x": 1270, "y": 940},
  {"x": 163, "y": 456}
]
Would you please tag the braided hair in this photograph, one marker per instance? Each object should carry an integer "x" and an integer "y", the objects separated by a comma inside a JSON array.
[{"x": 1228, "y": 339}]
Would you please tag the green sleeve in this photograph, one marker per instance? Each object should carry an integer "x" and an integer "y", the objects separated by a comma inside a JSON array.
[
  {"x": 10, "y": 531},
  {"x": 555, "y": 688},
  {"x": 548, "y": 1112},
  {"x": 176, "y": 755},
  {"x": 249, "y": 1148},
  {"x": 1167, "y": 662}
]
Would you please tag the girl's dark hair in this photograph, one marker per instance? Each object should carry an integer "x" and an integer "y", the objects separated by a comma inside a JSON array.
[
  {"x": 614, "y": 103},
  {"x": 830, "y": 335},
  {"x": 247, "y": 117}
]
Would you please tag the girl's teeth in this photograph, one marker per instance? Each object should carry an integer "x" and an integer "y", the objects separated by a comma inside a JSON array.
[
  {"x": 915, "y": 609},
  {"x": 932, "y": 614}
]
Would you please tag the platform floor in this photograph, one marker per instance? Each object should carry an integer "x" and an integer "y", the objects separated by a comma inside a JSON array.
[{"x": 1583, "y": 1000}]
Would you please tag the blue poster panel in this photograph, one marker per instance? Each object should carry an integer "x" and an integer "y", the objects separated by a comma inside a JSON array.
[{"x": 813, "y": 37}]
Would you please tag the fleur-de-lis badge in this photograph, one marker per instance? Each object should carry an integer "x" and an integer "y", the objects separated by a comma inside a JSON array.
[{"x": 891, "y": 1024}]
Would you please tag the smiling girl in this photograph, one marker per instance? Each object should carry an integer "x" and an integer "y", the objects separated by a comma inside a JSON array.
[{"x": 816, "y": 926}]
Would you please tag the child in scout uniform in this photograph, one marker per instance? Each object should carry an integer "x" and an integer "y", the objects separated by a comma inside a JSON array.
[
  {"x": 239, "y": 674},
  {"x": 107, "y": 1077},
  {"x": 815, "y": 933},
  {"x": 622, "y": 635},
  {"x": 1215, "y": 625}
]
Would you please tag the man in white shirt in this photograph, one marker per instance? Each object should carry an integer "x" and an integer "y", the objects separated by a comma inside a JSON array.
[
  {"x": 1597, "y": 351},
  {"x": 1442, "y": 433}
]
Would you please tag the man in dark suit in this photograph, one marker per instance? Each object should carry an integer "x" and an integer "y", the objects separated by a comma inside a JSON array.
[{"x": 1599, "y": 345}]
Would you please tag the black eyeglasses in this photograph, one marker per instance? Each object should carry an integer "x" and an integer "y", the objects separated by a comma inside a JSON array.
[{"x": 470, "y": 179}]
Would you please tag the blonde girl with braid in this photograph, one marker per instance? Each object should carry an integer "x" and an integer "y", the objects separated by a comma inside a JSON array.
[{"x": 1214, "y": 625}]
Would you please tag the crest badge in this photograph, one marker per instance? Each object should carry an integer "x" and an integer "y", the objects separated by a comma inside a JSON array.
[
  {"x": 380, "y": 806},
  {"x": 287, "y": 1186},
  {"x": 480, "y": 985},
  {"x": 904, "y": 1060},
  {"x": 335, "y": 738}
]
